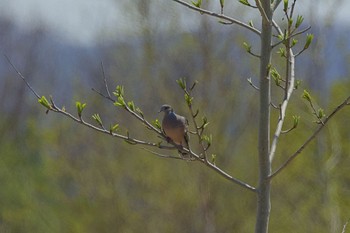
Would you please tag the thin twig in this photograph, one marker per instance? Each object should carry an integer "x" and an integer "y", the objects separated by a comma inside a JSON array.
[
  {"x": 105, "y": 81},
  {"x": 310, "y": 139},
  {"x": 252, "y": 84},
  {"x": 22, "y": 77},
  {"x": 291, "y": 36},
  {"x": 220, "y": 16},
  {"x": 162, "y": 155}
]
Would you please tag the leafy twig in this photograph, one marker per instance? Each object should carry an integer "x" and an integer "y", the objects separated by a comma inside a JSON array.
[
  {"x": 220, "y": 16},
  {"x": 311, "y": 138}
]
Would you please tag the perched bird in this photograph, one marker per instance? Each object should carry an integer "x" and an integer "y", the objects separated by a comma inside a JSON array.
[{"x": 175, "y": 127}]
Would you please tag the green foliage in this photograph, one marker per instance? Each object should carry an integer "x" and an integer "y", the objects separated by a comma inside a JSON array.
[
  {"x": 113, "y": 128},
  {"x": 197, "y": 4},
  {"x": 80, "y": 107},
  {"x": 299, "y": 21},
  {"x": 309, "y": 38},
  {"x": 247, "y": 47},
  {"x": 43, "y": 101},
  {"x": 156, "y": 123},
  {"x": 97, "y": 118},
  {"x": 306, "y": 95},
  {"x": 245, "y": 2}
]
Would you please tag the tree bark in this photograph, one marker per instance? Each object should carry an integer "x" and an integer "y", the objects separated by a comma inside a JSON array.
[{"x": 264, "y": 186}]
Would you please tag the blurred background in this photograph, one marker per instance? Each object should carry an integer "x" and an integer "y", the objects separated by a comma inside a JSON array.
[{"x": 57, "y": 176}]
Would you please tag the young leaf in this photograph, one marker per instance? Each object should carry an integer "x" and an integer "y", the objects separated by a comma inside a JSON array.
[
  {"x": 309, "y": 38},
  {"x": 320, "y": 113},
  {"x": 80, "y": 107},
  {"x": 182, "y": 83},
  {"x": 156, "y": 123},
  {"x": 282, "y": 52},
  {"x": 213, "y": 158},
  {"x": 306, "y": 95},
  {"x": 113, "y": 128},
  {"x": 245, "y": 2},
  {"x": 299, "y": 21},
  {"x": 285, "y": 5},
  {"x": 97, "y": 118},
  {"x": 188, "y": 99},
  {"x": 43, "y": 101},
  {"x": 138, "y": 110},
  {"x": 294, "y": 42},
  {"x": 197, "y": 4},
  {"x": 295, "y": 121},
  {"x": 119, "y": 91},
  {"x": 247, "y": 47},
  {"x": 276, "y": 76},
  {"x": 297, "y": 84},
  {"x": 131, "y": 105}
]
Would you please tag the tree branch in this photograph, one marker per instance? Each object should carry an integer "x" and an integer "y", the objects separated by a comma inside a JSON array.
[
  {"x": 220, "y": 16},
  {"x": 311, "y": 138},
  {"x": 289, "y": 88}
]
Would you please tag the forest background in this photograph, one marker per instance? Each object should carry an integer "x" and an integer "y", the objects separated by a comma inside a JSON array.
[{"x": 57, "y": 176}]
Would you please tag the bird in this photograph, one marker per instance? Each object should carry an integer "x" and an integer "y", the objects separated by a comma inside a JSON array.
[{"x": 175, "y": 127}]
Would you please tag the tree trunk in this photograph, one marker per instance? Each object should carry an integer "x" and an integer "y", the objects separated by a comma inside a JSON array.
[{"x": 263, "y": 202}]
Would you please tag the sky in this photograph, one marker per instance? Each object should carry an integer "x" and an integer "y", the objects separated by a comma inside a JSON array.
[{"x": 85, "y": 21}]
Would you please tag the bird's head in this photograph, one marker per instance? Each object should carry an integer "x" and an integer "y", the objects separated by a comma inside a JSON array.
[{"x": 166, "y": 108}]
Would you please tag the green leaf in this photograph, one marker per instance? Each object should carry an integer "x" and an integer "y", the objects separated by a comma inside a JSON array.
[
  {"x": 131, "y": 105},
  {"x": 276, "y": 76},
  {"x": 113, "y": 128},
  {"x": 222, "y": 2},
  {"x": 207, "y": 139},
  {"x": 247, "y": 47},
  {"x": 320, "y": 113},
  {"x": 197, "y": 4},
  {"x": 250, "y": 23},
  {"x": 120, "y": 102},
  {"x": 297, "y": 84},
  {"x": 245, "y": 2},
  {"x": 156, "y": 123},
  {"x": 138, "y": 110},
  {"x": 97, "y": 118},
  {"x": 306, "y": 95},
  {"x": 285, "y": 5},
  {"x": 295, "y": 121},
  {"x": 282, "y": 52},
  {"x": 299, "y": 21},
  {"x": 43, "y": 101},
  {"x": 119, "y": 91},
  {"x": 182, "y": 83},
  {"x": 205, "y": 122},
  {"x": 80, "y": 107},
  {"x": 280, "y": 36},
  {"x": 188, "y": 99},
  {"x": 213, "y": 158},
  {"x": 309, "y": 38}
]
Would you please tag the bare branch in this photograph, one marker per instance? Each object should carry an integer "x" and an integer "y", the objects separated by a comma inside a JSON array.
[
  {"x": 220, "y": 16},
  {"x": 252, "y": 84},
  {"x": 311, "y": 138},
  {"x": 105, "y": 81},
  {"x": 22, "y": 77}
]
